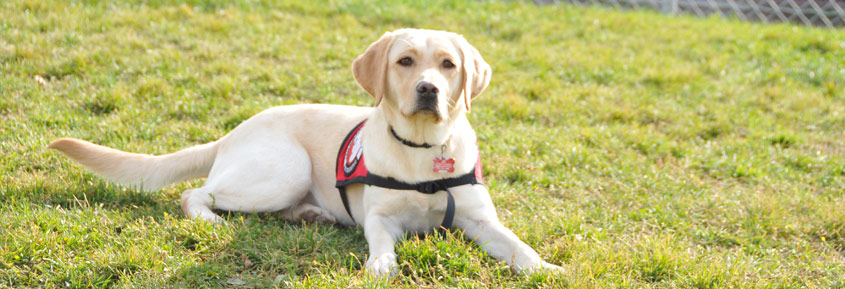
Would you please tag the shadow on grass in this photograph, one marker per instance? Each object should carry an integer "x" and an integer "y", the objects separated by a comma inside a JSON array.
[
  {"x": 267, "y": 251},
  {"x": 97, "y": 193}
]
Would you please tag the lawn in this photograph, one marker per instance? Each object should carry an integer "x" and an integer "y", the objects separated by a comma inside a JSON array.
[{"x": 635, "y": 149}]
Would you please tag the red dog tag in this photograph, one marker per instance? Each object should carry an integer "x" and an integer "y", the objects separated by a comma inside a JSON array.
[{"x": 443, "y": 165}]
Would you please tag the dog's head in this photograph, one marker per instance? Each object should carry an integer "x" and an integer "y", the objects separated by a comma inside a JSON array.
[{"x": 422, "y": 74}]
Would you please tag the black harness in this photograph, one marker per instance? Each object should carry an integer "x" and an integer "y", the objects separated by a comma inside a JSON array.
[{"x": 351, "y": 169}]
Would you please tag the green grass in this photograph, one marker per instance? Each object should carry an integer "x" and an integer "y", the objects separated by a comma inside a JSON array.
[{"x": 637, "y": 150}]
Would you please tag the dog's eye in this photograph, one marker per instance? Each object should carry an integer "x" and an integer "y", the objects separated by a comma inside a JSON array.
[
  {"x": 407, "y": 61},
  {"x": 448, "y": 64}
]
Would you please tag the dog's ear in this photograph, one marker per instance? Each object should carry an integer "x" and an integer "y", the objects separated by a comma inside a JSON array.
[
  {"x": 476, "y": 71},
  {"x": 370, "y": 68}
]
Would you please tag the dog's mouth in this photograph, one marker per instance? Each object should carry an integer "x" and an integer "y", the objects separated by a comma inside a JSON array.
[{"x": 427, "y": 109}]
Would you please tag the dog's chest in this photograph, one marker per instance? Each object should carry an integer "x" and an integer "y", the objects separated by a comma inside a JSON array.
[
  {"x": 421, "y": 203},
  {"x": 415, "y": 212}
]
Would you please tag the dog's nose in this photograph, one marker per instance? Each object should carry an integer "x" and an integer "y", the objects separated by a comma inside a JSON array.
[{"x": 425, "y": 88}]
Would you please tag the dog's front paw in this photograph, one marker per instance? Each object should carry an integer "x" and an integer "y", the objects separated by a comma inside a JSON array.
[
  {"x": 543, "y": 266},
  {"x": 382, "y": 265},
  {"x": 551, "y": 268}
]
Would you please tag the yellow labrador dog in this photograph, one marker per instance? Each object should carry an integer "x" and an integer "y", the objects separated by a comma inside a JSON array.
[{"x": 286, "y": 158}]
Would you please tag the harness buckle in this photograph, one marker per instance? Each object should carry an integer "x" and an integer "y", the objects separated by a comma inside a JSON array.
[{"x": 430, "y": 187}]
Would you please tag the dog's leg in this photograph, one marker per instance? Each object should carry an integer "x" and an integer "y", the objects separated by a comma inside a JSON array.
[
  {"x": 197, "y": 203},
  {"x": 253, "y": 173},
  {"x": 380, "y": 234},
  {"x": 477, "y": 217},
  {"x": 501, "y": 243}
]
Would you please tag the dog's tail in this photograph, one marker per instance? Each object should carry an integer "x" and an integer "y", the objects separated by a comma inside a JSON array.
[{"x": 140, "y": 171}]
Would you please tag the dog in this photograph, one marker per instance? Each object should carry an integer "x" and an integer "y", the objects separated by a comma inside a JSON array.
[{"x": 416, "y": 140}]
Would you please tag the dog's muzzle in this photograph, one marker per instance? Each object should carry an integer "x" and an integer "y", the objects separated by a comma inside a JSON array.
[{"x": 427, "y": 97}]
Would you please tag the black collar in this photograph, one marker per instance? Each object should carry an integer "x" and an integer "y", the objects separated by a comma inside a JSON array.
[{"x": 407, "y": 142}]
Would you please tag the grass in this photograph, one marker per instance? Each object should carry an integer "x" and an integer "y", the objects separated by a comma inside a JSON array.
[{"x": 637, "y": 150}]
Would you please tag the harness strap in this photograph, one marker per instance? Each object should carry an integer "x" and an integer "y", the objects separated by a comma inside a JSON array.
[
  {"x": 345, "y": 200},
  {"x": 450, "y": 212},
  {"x": 429, "y": 188}
]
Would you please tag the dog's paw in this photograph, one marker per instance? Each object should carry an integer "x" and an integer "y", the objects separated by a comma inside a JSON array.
[
  {"x": 551, "y": 268},
  {"x": 543, "y": 266},
  {"x": 382, "y": 265},
  {"x": 208, "y": 216},
  {"x": 311, "y": 214},
  {"x": 325, "y": 219},
  {"x": 318, "y": 216}
]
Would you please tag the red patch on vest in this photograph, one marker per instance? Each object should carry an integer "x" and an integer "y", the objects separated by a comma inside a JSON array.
[
  {"x": 350, "y": 160},
  {"x": 478, "y": 175}
]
